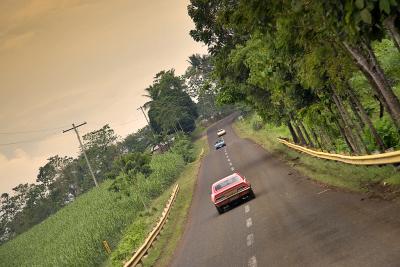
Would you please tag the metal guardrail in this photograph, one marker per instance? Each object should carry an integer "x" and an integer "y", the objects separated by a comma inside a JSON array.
[
  {"x": 377, "y": 159},
  {"x": 142, "y": 251}
]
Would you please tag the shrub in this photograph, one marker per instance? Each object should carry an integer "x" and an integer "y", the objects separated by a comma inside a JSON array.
[
  {"x": 257, "y": 123},
  {"x": 166, "y": 167},
  {"x": 387, "y": 131},
  {"x": 184, "y": 147}
]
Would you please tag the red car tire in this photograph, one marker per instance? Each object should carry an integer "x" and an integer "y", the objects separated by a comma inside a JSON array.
[
  {"x": 251, "y": 194},
  {"x": 220, "y": 209}
]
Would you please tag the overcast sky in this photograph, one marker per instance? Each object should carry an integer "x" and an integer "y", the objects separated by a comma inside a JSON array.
[{"x": 69, "y": 61}]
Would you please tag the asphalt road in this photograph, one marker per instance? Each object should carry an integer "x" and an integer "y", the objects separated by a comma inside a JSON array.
[{"x": 292, "y": 222}]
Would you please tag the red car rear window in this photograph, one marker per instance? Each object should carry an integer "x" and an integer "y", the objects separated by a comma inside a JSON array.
[{"x": 226, "y": 183}]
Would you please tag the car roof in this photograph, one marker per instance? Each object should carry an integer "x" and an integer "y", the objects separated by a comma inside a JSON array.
[{"x": 226, "y": 178}]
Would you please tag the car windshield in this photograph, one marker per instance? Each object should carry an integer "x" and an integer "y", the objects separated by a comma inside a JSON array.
[
  {"x": 219, "y": 141},
  {"x": 226, "y": 183}
]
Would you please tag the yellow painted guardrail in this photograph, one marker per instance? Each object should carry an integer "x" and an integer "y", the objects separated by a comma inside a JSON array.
[
  {"x": 142, "y": 251},
  {"x": 377, "y": 159}
]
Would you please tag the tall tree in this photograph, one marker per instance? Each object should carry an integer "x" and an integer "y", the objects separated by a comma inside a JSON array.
[{"x": 170, "y": 108}]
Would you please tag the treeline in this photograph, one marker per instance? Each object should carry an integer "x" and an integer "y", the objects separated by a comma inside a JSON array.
[
  {"x": 329, "y": 70},
  {"x": 61, "y": 180},
  {"x": 172, "y": 112}
]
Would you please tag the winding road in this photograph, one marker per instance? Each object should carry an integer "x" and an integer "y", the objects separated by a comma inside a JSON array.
[{"x": 292, "y": 222}]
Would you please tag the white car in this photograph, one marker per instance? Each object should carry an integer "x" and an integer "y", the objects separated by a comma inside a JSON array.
[{"x": 221, "y": 132}]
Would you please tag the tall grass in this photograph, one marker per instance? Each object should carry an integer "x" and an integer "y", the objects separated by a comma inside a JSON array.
[
  {"x": 73, "y": 236},
  {"x": 165, "y": 169}
]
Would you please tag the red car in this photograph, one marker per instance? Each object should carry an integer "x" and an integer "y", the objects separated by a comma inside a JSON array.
[{"x": 230, "y": 189}]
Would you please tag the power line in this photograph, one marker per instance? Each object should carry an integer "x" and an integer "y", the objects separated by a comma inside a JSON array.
[
  {"x": 127, "y": 122},
  {"x": 34, "y": 131},
  {"x": 28, "y": 141},
  {"x": 47, "y": 130}
]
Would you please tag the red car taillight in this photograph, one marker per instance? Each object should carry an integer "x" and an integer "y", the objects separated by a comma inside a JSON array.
[{"x": 219, "y": 198}]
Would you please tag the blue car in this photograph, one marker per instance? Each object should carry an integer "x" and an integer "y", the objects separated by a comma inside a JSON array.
[{"x": 219, "y": 143}]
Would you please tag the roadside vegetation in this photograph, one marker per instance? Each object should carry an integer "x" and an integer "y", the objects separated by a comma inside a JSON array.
[
  {"x": 350, "y": 177},
  {"x": 326, "y": 70},
  {"x": 164, "y": 247},
  {"x": 321, "y": 74}
]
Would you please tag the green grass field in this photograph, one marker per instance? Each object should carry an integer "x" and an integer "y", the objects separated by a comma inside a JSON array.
[
  {"x": 354, "y": 178},
  {"x": 73, "y": 236}
]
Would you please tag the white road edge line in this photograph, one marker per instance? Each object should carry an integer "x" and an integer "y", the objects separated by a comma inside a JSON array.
[
  {"x": 323, "y": 191},
  {"x": 246, "y": 209},
  {"x": 250, "y": 239},
  {"x": 249, "y": 222},
  {"x": 252, "y": 262}
]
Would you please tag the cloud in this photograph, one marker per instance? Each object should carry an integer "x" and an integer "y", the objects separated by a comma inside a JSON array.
[
  {"x": 22, "y": 165},
  {"x": 34, "y": 9},
  {"x": 17, "y": 20},
  {"x": 17, "y": 40}
]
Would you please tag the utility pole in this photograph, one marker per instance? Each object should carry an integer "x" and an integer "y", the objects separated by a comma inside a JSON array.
[{"x": 75, "y": 128}]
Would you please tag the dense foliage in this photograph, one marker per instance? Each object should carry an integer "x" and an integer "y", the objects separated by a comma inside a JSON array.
[
  {"x": 201, "y": 86},
  {"x": 328, "y": 70},
  {"x": 170, "y": 109}
]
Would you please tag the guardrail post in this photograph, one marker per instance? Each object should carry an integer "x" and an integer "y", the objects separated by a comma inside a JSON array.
[
  {"x": 153, "y": 235},
  {"x": 106, "y": 247}
]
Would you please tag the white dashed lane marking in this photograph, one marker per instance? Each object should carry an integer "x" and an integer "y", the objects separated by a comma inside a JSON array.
[
  {"x": 232, "y": 169},
  {"x": 252, "y": 262},
  {"x": 229, "y": 160},
  {"x": 249, "y": 222},
  {"x": 230, "y": 163},
  {"x": 323, "y": 191},
  {"x": 250, "y": 240},
  {"x": 246, "y": 209}
]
